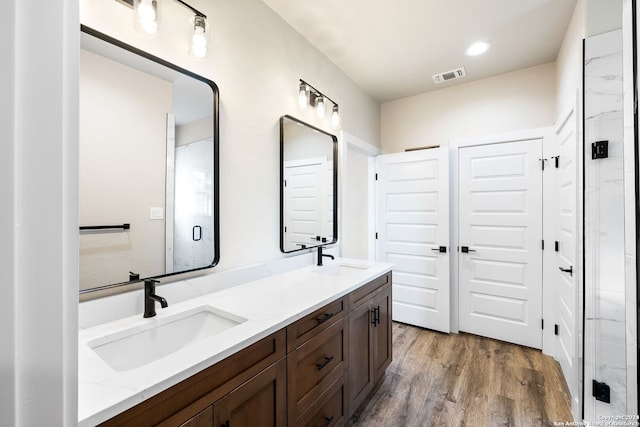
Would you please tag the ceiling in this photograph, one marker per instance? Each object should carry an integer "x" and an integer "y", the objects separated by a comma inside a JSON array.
[{"x": 392, "y": 48}]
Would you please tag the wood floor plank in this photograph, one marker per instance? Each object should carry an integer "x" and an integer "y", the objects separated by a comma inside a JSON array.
[{"x": 446, "y": 380}]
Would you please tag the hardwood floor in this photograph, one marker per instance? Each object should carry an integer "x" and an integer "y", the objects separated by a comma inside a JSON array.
[{"x": 437, "y": 379}]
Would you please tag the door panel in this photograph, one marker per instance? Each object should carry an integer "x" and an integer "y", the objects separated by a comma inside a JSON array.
[
  {"x": 413, "y": 222},
  {"x": 304, "y": 202},
  {"x": 500, "y": 221}
]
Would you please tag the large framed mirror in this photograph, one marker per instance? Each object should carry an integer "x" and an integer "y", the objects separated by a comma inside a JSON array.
[
  {"x": 148, "y": 184},
  {"x": 308, "y": 186}
]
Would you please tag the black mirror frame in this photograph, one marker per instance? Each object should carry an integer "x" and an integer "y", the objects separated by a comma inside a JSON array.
[
  {"x": 335, "y": 184},
  {"x": 216, "y": 152}
]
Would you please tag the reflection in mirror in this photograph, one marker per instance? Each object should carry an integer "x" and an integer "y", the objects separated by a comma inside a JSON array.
[
  {"x": 148, "y": 156},
  {"x": 309, "y": 182}
]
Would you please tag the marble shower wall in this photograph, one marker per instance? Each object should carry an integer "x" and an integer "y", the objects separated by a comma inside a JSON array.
[{"x": 605, "y": 343}]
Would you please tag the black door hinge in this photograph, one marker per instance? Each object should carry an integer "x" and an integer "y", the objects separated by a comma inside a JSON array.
[
  {"x": 543, "y": 245},
  {"x": 542, "y": 323},
  {"x": 542, "y": 162},
  {"x": 376, "y": 235},
  {"x": 376, "y": 177},
  {"x": 285, "y": 182},
  {"x": 556, "y": 329},
  {"x": 557, "y": 246},
  {"x": 600, "y": 150},
  {"x": 601, "y": 392}
]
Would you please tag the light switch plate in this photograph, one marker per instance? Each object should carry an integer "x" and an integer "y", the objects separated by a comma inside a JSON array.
[{"x": 156, "y": 212}]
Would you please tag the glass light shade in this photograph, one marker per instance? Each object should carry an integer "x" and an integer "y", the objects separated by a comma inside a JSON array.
[
  {"x": 147, "y": 15},
  {"x": 199, "y": 39},
  {"x": 302, "y": 96},
  {"x": 320, "y": 107},
  {"x": 335, "y": 117}
]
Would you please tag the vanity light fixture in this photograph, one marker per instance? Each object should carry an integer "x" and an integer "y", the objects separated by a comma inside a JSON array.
[
  {"x": 309, "y": 95},
  {"x": 335, "y": 117},
  {"x": 302, "y": 95},
  {"x": 477, "y": 48},
  {"x": 146, "y": 14},
  {"x": 320, "y": 107}
]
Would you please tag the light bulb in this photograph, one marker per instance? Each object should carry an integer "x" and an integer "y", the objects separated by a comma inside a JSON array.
[
  {"x": 302, "y": 96},
  {"x": 335, "y": 117},
  {"x": 320, "y": 109},
  {"x": 147, "y": 16},
  {"x": 199, "y": 39}
]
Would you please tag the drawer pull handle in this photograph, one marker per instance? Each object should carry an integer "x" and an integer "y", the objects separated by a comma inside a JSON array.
[
  {"x": 324, "y": 318},
  {"x": 326, "y": 361},
  {"x": 327, "y": 421}
]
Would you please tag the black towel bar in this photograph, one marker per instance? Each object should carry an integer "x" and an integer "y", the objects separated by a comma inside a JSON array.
[{"x": 105, "y": 227}]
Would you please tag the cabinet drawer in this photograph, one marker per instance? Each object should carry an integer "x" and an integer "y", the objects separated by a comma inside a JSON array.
[
  {"x": 312, "y": 324},
  {"x": 365, "y": 292},
  {"x": 314, "y": 366},
  {"x": 329, "y": 410}
]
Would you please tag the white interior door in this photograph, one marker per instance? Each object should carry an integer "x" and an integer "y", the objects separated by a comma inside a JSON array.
[
  {"x": 500, "y": 222},
  {"x": 565, "y": 248},
  {"x": 304, "y": 202},
  {"x": 413, "y": 225}
]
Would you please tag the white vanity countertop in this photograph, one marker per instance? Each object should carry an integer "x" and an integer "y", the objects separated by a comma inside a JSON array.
[{"x": 268, "y": 304}]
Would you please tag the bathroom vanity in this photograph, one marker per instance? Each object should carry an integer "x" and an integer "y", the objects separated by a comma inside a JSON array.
[{"x": 300, "y": 348}]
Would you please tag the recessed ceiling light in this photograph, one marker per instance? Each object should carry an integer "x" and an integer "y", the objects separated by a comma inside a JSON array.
[{"x": 478, "y": 48}]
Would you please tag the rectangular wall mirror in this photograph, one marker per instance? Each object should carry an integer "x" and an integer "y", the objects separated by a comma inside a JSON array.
[
  {"x": 148, "y": 166},
  {"x": 309, "y": 183}
]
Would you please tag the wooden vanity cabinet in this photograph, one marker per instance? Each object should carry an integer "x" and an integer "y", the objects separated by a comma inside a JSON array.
[
  {"x": 370, "y": 349},
  {"x": 315, "y": 372}
]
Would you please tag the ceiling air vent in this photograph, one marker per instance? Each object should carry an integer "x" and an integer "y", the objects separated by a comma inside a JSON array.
[{"x": 449, "y": 75}]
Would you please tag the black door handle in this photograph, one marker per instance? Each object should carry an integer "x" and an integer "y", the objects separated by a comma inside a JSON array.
[
  {"x": 466, "y": 250},
  {"x": 441, "y": 249},
  {"x": 567, "y": 270},
  {"x": 193, "y": 233}
]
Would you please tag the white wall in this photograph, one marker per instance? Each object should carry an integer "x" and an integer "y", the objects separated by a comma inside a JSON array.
[
  {"x": 194, "y": 131},
  {"x": 569, "y": 61},
  {"x": 38, "y": 218},
  {"x": 521, "y": 99},
  {"x": 256, "y": 60}
]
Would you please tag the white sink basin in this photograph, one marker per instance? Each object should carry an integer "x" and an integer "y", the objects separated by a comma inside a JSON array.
[
  {"x": 340, "y": 269},
  {"x": 137, "y": 346}
]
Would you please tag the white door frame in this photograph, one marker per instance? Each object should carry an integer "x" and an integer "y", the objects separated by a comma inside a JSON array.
[
  {"x": 350, "y": 142},
  {"x": 548, "y": 144}
]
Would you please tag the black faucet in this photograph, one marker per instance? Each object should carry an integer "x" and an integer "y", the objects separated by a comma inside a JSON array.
[
  {"x": 320, "y": 255},
  {"x": 150, "y": 298}
]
